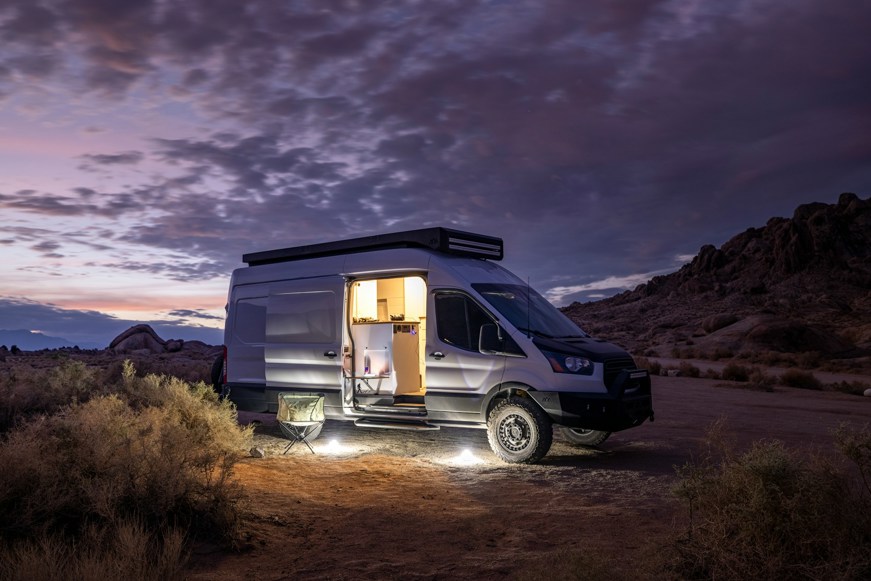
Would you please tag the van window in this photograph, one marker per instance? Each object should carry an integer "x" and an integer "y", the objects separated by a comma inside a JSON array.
[
  {"x": 528, "y": 311},
  {"x": 249, "y": 325},
  {"x": 459, "y": 320},
  {"x": 305, "y": 317}
]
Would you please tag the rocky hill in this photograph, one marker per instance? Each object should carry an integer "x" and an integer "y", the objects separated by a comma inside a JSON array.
[{"x": 800, "y": 284}]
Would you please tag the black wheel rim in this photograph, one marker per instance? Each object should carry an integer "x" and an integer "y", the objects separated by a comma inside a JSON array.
[{"x": 515, "y": 433}]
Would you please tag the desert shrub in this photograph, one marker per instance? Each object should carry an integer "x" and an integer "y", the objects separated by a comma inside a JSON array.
[
  {"x": 711, "y": 374},
  {"x": 26, "y": 393},
  {"x": 688, "y": 370},
  {"x": 721, "y": 353},
  {"x": 189, "y": 370},
  {"x": 158, "y": 452},
  {"x": 761, "y": 380},
  {"x": 768, "y": 358},
  {"x": 850, "y": 387},
  {"x": 801, "y": 379},
  {"x": 735, "y": 372},
  {"x": 127, "y": 550},
  {"x": 773, "y": 514},
  {"x": 654, "y": 367},
  {"x": 855, "y": 444},
  {"x": 808, "y": 359}
]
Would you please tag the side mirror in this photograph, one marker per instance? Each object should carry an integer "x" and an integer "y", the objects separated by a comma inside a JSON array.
[{"x": 490, "y": 341}]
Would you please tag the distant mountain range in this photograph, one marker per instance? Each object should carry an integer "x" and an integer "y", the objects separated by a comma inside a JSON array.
[
  {"x": 796, "y": 285},
  {"x": 34, "y": 341}
]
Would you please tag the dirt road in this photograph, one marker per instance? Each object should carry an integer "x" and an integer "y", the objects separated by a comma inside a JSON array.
[{"x": 388, "y": 504}]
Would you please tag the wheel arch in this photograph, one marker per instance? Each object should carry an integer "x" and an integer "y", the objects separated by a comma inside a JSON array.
[{"x": 505, "y": 391}]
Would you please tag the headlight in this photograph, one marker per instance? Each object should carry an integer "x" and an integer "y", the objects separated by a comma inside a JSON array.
[{"x": 562, "y": 363}]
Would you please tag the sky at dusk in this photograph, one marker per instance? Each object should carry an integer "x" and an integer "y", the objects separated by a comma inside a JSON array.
[{"x": 145, "y": 145}]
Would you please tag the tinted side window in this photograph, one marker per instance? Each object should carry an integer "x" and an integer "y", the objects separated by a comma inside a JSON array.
[
  {"x": 250, "y": 322},
  {"x": 459, "y": 320},
  {"x": 305, "y": 317}
]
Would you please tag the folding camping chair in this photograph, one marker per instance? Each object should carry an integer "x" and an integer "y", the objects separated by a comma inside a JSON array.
[{"x": 300, "y": 417}]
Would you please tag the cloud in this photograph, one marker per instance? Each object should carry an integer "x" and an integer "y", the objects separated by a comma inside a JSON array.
[
  {"x": 559, "y": 294},
  {"x": 194, "y": 314},
  {"x": 123, "y": 158},
  {"x": 599, "y": 143}
]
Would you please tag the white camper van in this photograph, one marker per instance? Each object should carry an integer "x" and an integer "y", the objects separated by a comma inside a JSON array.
[{"x": 423, "y": 330}]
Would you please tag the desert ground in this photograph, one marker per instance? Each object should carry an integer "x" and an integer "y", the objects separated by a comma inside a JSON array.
[{"x": 389, "y": 504}]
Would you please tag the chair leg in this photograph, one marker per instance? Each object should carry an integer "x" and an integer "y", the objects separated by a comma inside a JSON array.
[
  {"x": 305, "y": 441},
  {"x": 299, "y": 435}
]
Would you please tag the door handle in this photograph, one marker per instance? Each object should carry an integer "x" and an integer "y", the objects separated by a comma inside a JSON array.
[
  {"x": 329, "y": 354},
  {"x": 437, "y": 354}
]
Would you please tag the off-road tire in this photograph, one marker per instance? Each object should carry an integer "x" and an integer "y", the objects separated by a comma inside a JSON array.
[
  {"x": 582, "y": 437},
  {"x": 519, "y": 431}
]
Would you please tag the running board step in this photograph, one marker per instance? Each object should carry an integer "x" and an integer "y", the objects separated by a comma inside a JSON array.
[
  {"x": 394, "y": 424},
  {"x": 400, "y": 410}
]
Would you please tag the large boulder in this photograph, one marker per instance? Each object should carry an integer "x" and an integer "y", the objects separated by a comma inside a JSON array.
[{"x": 141, "y": 339}]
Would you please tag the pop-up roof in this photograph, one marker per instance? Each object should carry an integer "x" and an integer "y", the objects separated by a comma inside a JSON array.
[{"x": 441, "y": 239}]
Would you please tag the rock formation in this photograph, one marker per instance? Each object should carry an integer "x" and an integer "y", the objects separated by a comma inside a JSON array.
[
  {"x": 143, "y": 339},
  {"x": 800, "y": 284}
]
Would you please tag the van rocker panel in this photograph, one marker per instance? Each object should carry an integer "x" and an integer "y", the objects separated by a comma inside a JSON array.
[{"x": 262, "y": 399}]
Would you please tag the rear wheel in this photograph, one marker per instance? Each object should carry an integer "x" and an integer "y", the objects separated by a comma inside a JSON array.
[
  {"x": 519, "y": 431},
  {"x": 217, "y": 375},
  {"x": 584, "y": 437}
]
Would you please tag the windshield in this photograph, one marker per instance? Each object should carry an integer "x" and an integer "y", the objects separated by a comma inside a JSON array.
[{"x": 534, "y": 315}]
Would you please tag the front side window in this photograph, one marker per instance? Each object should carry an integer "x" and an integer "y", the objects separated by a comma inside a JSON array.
[{"x": 459, "y": 320}]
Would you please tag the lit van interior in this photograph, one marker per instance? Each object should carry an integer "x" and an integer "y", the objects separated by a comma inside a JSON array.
[{"x": 387, "y": 319}]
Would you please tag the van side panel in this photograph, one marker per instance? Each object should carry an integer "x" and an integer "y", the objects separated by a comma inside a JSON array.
[{"x": 303, "y": 346}]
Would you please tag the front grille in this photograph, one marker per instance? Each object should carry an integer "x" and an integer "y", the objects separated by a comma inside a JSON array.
[{"x": 613, "y": 367}]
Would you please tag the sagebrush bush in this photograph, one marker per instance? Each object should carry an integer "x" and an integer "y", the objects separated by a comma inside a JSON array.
[
  {"x": 125, "y": 550},
  {"x": 761, "y": 380},
  {"x": 26, "y": 393},
  {"x": 773, "y": 514},
  {"x": 721, "y": 353},
  {"x": 688, "y": 369},
  {"x": 800, "y": 379},
  {"x": 735, "y": 372},
  {"x": 157, "y": 451},
  {"x": 654, "y": 367},
  {"x": 851, "y": 387}
]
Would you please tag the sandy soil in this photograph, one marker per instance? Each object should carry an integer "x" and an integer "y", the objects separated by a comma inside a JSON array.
[{"x": 399, "y": 504}]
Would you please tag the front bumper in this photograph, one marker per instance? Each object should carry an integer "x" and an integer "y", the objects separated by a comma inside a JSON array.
[{"x": 627, "y": 404}]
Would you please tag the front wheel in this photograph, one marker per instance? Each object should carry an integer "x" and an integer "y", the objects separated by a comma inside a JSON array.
[
  {"x": 584, "y": 437},
  {"x": 519, "y": 431}
]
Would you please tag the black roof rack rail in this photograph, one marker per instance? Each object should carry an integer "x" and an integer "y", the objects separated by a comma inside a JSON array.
[{"x": 441, "y": 239}]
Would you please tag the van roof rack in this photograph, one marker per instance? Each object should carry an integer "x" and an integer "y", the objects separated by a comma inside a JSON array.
[{"x": 441, "y": 239}]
